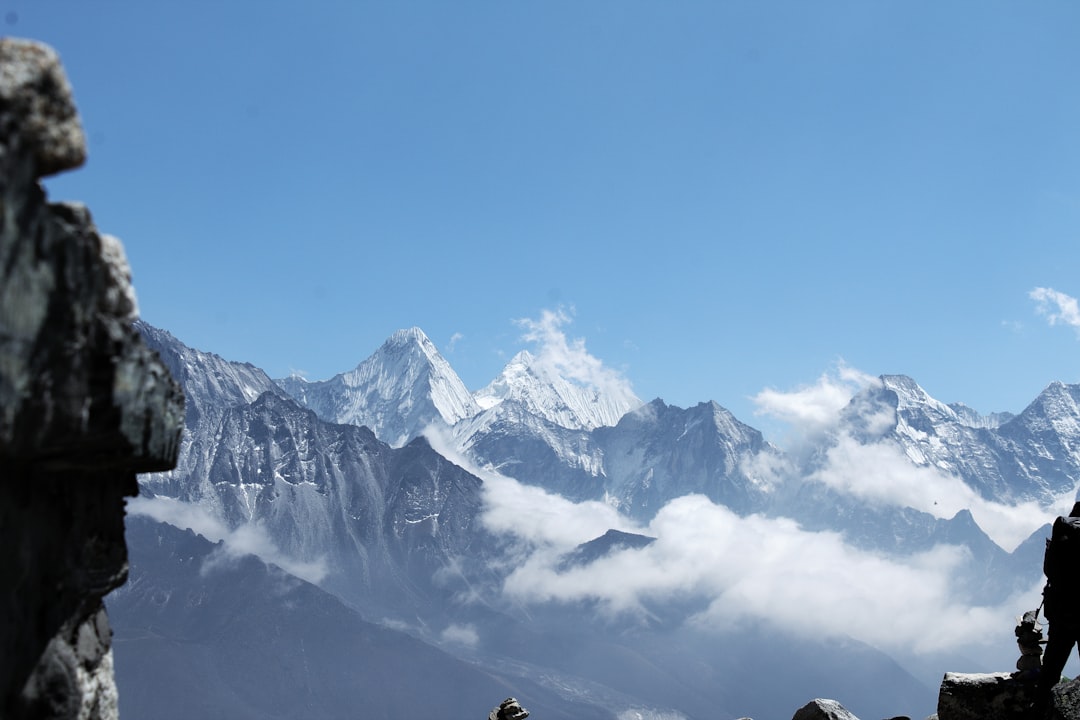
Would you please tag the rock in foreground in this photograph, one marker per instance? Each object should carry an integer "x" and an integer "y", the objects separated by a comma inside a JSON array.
[
  {"x": 988, "y": 696},
  {"x": 84, "y": 406},
  {"x": 821, "y": 709}
]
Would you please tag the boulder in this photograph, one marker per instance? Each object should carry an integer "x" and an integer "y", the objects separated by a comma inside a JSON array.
[
  {"x": 984, "y": 696},
  {"x": 820, "y": 709},
  {"x": 1065, "y": 703}
]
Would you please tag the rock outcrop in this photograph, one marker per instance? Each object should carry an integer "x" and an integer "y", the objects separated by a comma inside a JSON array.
[
  {"x": 822, "y": 709},
  {"x": 84, "y": 406},
  {"x": 1001, "y": 696}
]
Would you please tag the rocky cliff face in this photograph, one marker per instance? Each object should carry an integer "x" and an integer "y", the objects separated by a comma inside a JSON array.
[{"x": 84, "y": 405}]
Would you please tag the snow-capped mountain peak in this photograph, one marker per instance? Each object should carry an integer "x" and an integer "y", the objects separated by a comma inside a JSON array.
[
  {"x": 544, "y": 391},
  {"x": 911, "y": 395},
  {"x": 514, "y": 375},
  {"x": 403, "y": 387}
]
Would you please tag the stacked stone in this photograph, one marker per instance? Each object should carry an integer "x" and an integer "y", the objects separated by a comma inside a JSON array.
[{"x": 1029, "y": 639}]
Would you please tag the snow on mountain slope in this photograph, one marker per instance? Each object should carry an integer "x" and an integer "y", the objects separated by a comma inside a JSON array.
[
  {"x": 208, "y": 379},
  {"x": 518, "y": 443},
  {"x": 1040, "y": 447},
  {"x": 211, "y": 386},
  {"x": 543, "y": 391},
  {"x": 401, "y": 389},
  {"x": 973, "y": 418},
  {"x": 661, "y": 452},
  {"x": 654, "y": 454},
  {"x": 1031, "y": 456}
]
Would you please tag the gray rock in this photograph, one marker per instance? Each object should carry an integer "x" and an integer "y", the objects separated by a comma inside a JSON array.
[
  {"x": 1001, "y": 696},
  {"x": 984, "y": 696},
  {"x": 1066, "y": 701},
  {"x": 35, "y": 94},
  {"x": 84, "y": 406},
  {"x": 820, "y": 709}
]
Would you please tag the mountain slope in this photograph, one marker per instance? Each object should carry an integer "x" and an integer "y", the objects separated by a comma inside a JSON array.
[
  {"x": 201, "y": 634},
  {"x": 661, "y": 452},
  {"x": 654, "y": 454},
  {"x": 211, "y": 383},
  {"x": 382, "y": 521}
]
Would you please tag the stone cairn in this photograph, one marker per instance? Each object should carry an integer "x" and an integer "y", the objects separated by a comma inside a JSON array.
[{"x": 1029, "y": 638}]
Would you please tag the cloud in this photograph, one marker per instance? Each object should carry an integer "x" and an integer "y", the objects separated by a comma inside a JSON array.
[
  {"x": 1056, "y": 306},
  {"x": 568, "y": 358},
  {"x": 1014, "y": 326},
  {"x": 460, "y": 635},
  {"x": 813, "y": 410},
  {"x": 454, "y": 340},
  {"x": 882, "y": 474},
  {"x": 879, "y": 472},
  {"x": 248, "y": 539},
  {"x": 531, "y": 514},
  {"x": 770, "y": 569}
]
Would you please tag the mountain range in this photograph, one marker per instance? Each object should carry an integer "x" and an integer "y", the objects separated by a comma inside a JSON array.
[{"x": 378, "y": 489}]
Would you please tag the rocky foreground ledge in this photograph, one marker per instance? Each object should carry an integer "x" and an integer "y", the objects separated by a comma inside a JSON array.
[
  {"x": 1000, "y": 696},
  {"x": 84, "y": 406},
  {"x": 983, "y": 696}
]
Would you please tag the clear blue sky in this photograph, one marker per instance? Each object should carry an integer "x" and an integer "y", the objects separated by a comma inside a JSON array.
[{"x": 729, "y": 195}]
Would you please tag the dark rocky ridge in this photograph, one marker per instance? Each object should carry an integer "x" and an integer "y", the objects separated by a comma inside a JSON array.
[{"x": 84, "y": 406}]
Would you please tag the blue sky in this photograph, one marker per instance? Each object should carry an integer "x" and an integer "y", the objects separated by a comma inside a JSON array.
[{"x": 723, "y": 196}]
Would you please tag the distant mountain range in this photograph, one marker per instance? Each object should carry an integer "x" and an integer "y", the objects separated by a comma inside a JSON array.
[{"x": 341, "y": 478}]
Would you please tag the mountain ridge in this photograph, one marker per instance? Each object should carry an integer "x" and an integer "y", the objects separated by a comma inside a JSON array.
[{"x": 408, "y": 536}]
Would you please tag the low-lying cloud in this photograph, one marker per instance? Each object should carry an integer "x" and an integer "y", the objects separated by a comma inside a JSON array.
[
  {"x": 248, "y": 539},
  {"x": 770, "y": 569}
]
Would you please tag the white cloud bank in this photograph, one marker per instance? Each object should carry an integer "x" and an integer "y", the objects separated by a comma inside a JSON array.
[
  {"x": 248, "y": 539},
  {"x": 754, "y": 567},
  {"x": 770, "y": 569}
]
